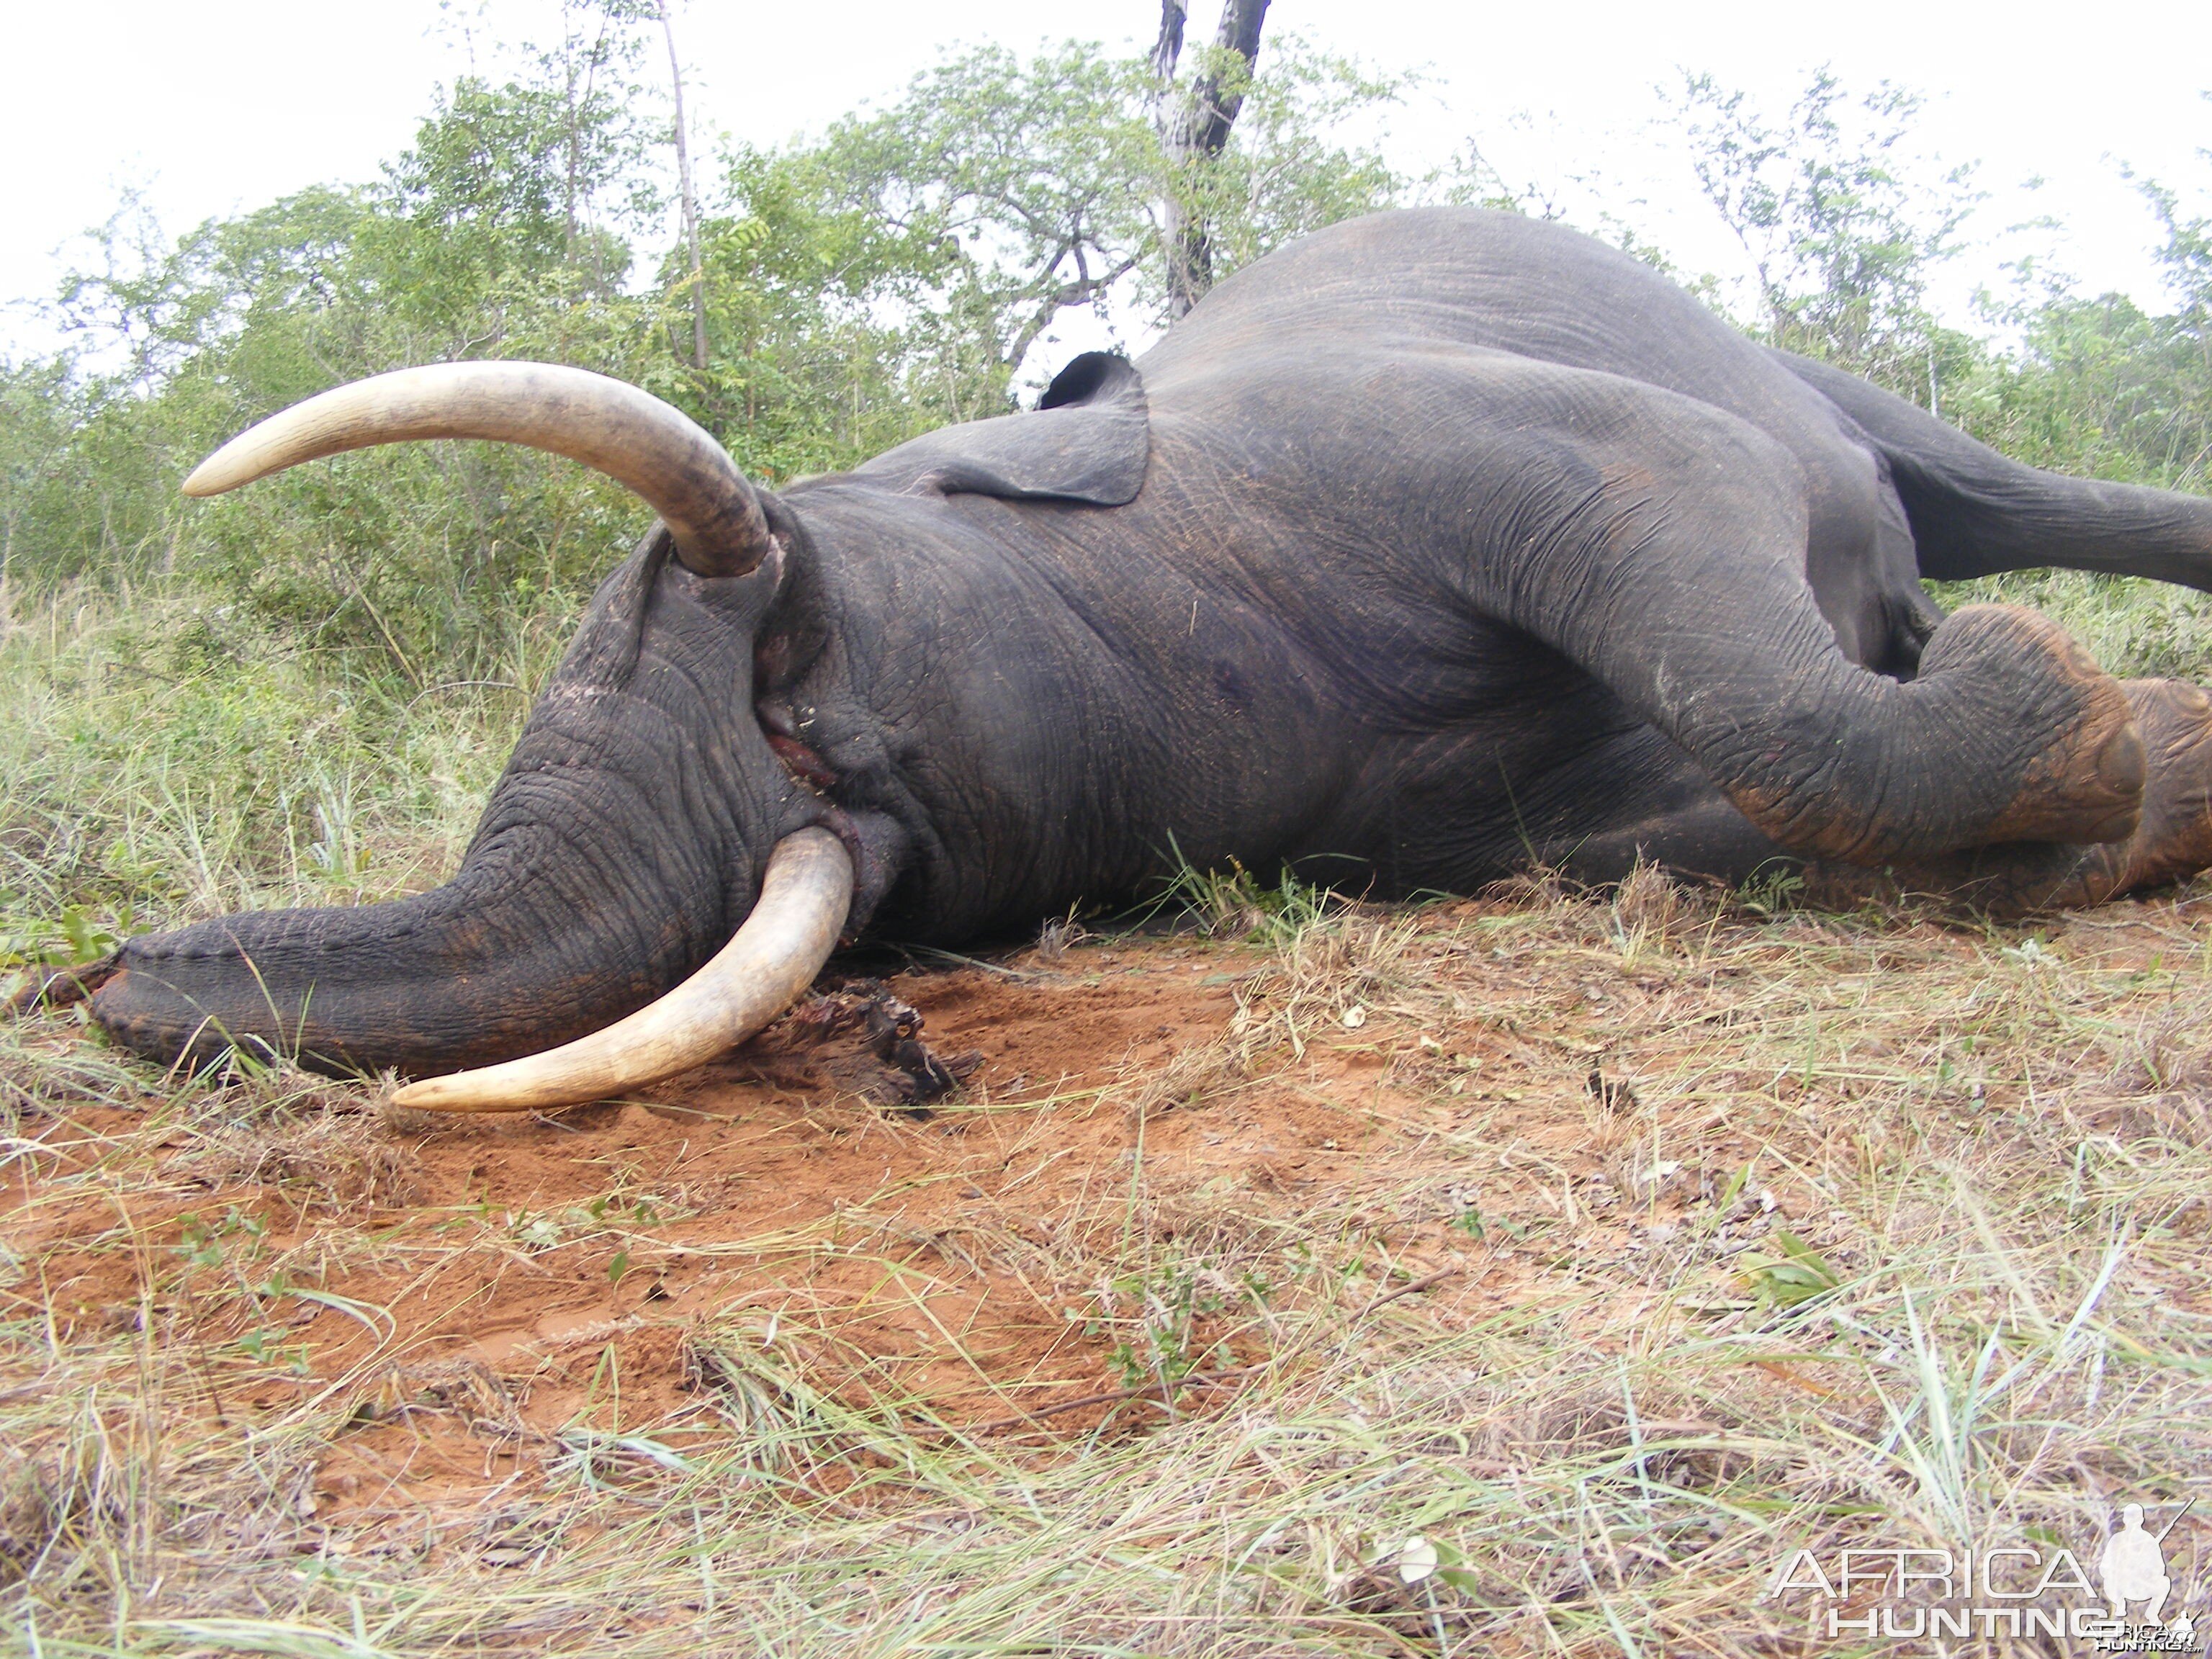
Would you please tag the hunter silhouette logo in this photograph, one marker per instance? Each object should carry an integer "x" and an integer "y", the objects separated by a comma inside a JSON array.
[
  {"x": 1886, "y": 1593},
  {"x": 2133, "y": 1569}
]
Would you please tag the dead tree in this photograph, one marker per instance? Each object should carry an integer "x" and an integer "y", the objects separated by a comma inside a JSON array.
[
  {"x": 1194, "y": 127},
  {"x": 690, "y": 201}
]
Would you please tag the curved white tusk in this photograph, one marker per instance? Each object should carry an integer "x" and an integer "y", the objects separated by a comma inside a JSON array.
[
  {"x": 755, "y": 976},
  {"x": 653, "y": 448}
]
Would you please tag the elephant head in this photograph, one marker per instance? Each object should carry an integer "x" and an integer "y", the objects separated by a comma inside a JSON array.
[{"x": 646, "y": 835}]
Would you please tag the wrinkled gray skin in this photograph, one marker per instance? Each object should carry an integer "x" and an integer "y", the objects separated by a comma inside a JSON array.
[{"x": 1435, "y": 543}]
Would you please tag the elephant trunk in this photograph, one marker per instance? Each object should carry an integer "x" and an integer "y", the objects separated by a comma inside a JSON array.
[
  {"x": 515, "y": 953},
  {"x": 479, "y": 972},
  {"x": 624, "y": 845},
  {"x": 772, "y": 960}
]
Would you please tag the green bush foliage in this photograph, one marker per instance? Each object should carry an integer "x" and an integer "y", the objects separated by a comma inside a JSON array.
[{"x": 351, "y": 644}]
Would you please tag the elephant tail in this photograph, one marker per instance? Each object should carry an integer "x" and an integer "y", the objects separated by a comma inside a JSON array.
[{"x": 1975, "y": 512}]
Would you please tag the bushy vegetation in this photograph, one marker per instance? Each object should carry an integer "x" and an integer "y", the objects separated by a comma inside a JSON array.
[{"x": 905, "y": 267}]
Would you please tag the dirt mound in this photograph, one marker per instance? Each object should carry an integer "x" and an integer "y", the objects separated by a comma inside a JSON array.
[{"x": 777, "y": 1224}]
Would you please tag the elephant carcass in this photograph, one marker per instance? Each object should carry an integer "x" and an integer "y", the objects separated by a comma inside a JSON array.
[{"x": 1434, "y": 543}]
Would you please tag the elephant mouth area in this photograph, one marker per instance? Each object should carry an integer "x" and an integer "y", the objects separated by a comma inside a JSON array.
[
  {"x": 173, "y": 1021},
  {"x": 188, "y": 999},
  {"x": 806, "y": 767}
]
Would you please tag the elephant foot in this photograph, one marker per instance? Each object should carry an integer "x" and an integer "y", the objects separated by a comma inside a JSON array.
[
  {"x": 2174, "y": 839},
  {"x": 2085, "y": 785},
  {"x": 2171, "y": 839}
]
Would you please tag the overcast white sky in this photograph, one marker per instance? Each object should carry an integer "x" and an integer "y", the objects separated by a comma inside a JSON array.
[{"x": 214, "y": 106}]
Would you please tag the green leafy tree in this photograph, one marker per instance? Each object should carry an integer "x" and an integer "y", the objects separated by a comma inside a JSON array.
[
  {"x": 1254, "y": 155},
  {"x": 901, "y": 271},
  {"x": 37, "y": 494},
  {"x": 1019, "y": 189},
  {"x": 806, "y": 296},
  {"x": 1843, "y": 221},
  {"x": 2186, "y": 342}
]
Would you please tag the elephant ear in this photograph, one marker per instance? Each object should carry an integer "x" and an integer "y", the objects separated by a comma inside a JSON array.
[{"x": 1088, "y": 441}]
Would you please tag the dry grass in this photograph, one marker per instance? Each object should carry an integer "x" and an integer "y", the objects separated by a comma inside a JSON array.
[
  {"x": 153, "y": 772},
  {"x": 1620, "y": 1245},
  {"x": 1660, "y": 1239}
]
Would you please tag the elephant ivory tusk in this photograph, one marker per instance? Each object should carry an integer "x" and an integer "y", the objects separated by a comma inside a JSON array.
[
  {"x": 652, "y": 448},
  {"x": 749, "y": 982}
]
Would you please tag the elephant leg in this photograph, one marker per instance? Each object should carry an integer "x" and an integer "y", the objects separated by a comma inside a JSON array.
[
  {"x": 1639, "y": 800},
  {"x": 1664, "y": 811},
  {"x": 2172, "y": 842},
  {"x": 1660, "y": 544}
]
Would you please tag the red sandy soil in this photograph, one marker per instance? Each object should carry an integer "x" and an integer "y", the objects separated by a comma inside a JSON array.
[
  {"x": 477, "y": 1288},
  {"x": 511, "y": 1276}
]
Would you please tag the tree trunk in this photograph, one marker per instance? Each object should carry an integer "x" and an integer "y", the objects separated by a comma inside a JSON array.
[
  {"x": 1193, "y": 131},
  {"x": 568, "y": 243},
  {"x": 690, "y": 201}
]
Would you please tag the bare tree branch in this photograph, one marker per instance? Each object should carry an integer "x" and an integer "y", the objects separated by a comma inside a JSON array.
[
  {"x": 1067, "y": 294},
  {"x": 690, "y": 201},
  {"x": 1194, "y": 130},
  {"x": 1169, "y": 47}
]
